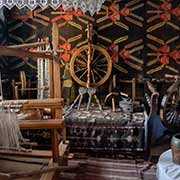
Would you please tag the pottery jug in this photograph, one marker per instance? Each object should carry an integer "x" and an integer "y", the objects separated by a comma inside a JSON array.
[{"x": 175, "y": 146}]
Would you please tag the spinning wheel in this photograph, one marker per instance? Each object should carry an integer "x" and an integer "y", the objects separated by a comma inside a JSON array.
[
  {"x": 90, "y": 65},
  {"x": 170, "y": 106},
  {"x": 99, "y": 69}
]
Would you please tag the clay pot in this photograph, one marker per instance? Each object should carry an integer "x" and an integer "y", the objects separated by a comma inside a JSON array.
[{"x": 175, "y": 146}]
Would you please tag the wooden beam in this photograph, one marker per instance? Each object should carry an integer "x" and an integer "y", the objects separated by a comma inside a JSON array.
[
  {"x": 57, "y": 90},
  {"x": 57, "y": 87},
  {"x": 28, "y": 45},
  {"x": 27, "y": 173},
  {"x": 36, "y": 103},
  {"x": 24, "y": 174},
  {"x": 43, "y": 103},
  {"x": 34, "y": 153},
  {"x": 7, "y": 51},
  {"x": 41, "y": 124},
  {"x": 56, "y": 68}
]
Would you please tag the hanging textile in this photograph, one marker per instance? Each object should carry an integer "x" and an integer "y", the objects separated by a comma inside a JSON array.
[
  {"x": 92, "y": 6},
  {"x": 43, "y": 75}
]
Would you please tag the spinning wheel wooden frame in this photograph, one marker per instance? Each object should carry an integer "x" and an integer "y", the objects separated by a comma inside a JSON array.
[
  {"x": 170, "y": 106},
  {"x": 90, "y": 65},
  {"x": 23, "y": 85}
]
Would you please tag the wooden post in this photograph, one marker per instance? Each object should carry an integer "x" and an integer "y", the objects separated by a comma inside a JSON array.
[
  {"x": 134, "y": 89},
  {"x": 56, "y": 67},
  {"x": 16, "y": 92},
  {"x": 29, "y": 86},
  {"x": 55, "y": 145},
  {"x": 58, "y": 115},
  {"x": 13, "y": 88},
  {"x": 57, "y": 89},
  {"x": 51, "y": 73}
]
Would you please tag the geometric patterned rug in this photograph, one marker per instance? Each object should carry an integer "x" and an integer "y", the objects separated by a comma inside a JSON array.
[{"x": 111, "y": 169}]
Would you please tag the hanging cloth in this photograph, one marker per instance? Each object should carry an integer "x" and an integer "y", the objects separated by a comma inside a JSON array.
[{"x": 43, "y": 75}]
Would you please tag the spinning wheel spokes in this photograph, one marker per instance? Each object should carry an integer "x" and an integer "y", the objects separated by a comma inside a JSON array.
[
  {"x": 83, "y": 57},
  {"x": 79, "y": 70},
  {"x": 83, "y": 74},
  {"x": 170, "y": 111},
  {"x": 90, "y": 66}
]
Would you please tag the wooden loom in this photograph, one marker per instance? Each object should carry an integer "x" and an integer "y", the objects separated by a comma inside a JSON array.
[{"x": 54, "y": 103}]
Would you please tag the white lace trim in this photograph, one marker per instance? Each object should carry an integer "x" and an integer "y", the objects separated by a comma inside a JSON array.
[{"x": 92, "y": 6}]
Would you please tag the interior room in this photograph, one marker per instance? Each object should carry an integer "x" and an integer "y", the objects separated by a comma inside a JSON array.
[{"x": 90, "y": 89}]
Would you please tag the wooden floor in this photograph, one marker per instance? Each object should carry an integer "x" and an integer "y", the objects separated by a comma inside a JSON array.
[
  {"x": 7, "y": 166},
  {"x": 110, "y": 169},
  {"x": 93, "y": 169}
]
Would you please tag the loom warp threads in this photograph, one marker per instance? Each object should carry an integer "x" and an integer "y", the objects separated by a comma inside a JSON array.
[{"x": 10, "y": 134}]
